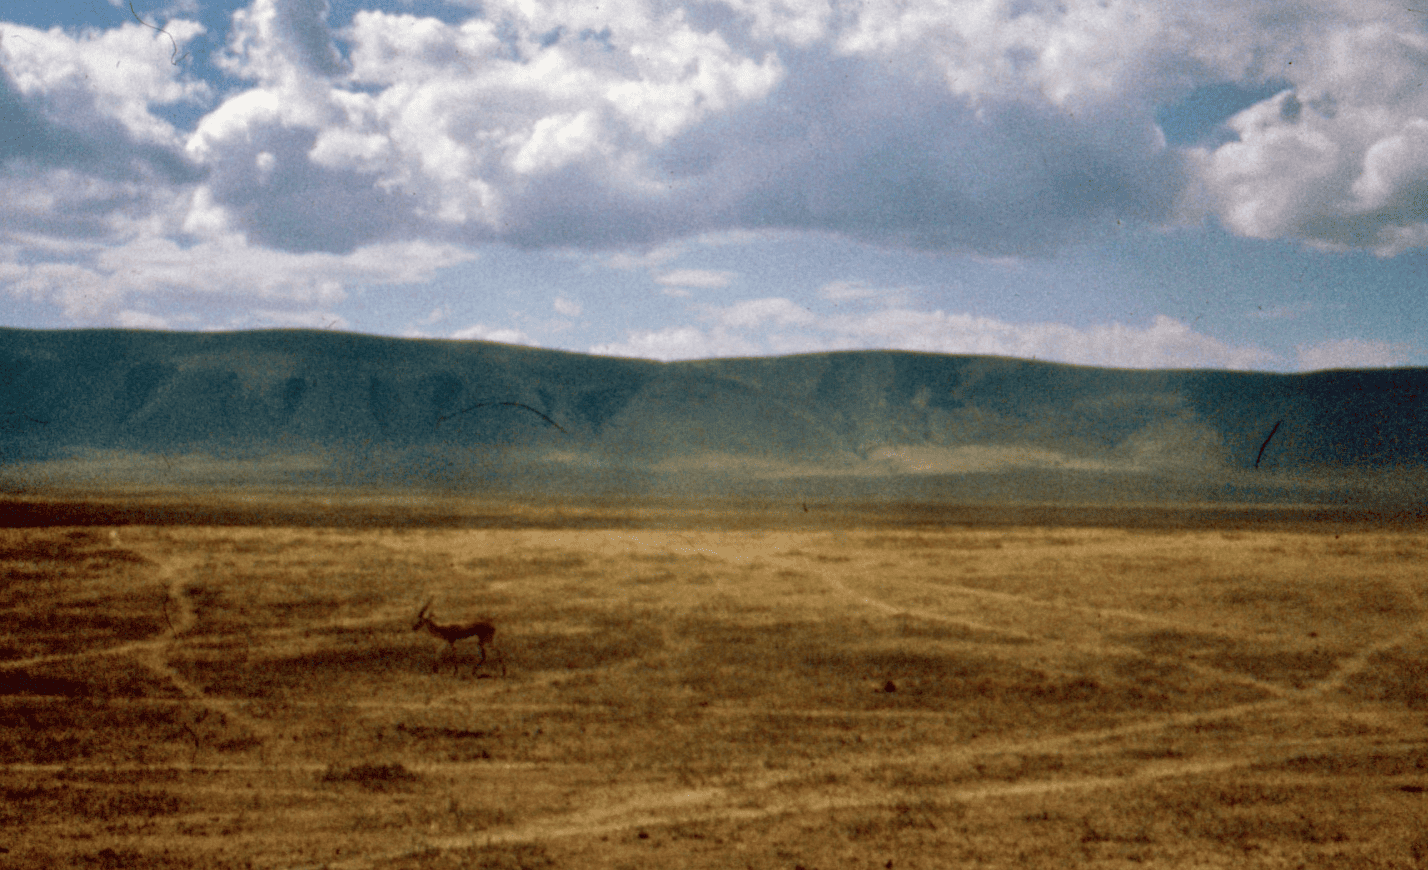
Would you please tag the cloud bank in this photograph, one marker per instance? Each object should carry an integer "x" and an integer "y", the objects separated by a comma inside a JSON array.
[
  {"x": 1003, "y": 128},
  {"x": 996, "y": 127},
  {"x": 780, "y": 326}
]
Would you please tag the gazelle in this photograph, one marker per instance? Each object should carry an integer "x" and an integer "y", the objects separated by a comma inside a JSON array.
[{"x": 482, "y": 631}]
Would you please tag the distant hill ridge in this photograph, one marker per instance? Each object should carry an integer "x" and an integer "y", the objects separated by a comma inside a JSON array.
[{"x": 333, "y": 405}]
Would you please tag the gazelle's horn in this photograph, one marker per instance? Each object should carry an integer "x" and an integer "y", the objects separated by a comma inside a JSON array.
[{"x": 425, "y": 607}]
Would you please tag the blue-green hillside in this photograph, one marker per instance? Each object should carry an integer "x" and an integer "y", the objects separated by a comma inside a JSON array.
[{"x": 305, "y": 408}]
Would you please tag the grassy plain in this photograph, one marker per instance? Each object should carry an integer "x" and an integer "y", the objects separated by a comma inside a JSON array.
[{"x": 706, "y": 690}]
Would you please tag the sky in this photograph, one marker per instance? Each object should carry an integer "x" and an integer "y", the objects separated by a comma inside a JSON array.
[{"x": 1237, "y": 184}]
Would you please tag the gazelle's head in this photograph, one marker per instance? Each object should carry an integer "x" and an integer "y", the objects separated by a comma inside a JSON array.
[{"x": 422, "y": 618}]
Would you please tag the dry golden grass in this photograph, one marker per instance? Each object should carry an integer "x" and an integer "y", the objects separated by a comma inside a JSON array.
[{"x": 710, "y": 692}]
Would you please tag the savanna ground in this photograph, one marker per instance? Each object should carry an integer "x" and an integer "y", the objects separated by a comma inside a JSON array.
[{"x": 716, "y": 692}]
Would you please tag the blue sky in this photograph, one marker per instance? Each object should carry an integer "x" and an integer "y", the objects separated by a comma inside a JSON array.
[{"x": 1229, "y": 184}]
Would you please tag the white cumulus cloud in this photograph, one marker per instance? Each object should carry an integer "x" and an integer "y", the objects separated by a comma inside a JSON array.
[
  {"x": 1338, "y": 158},
  {"x": 225, "y": 275},
  {"x": 977, "y": 125},
  {"x": 1349, "y": 353},
  {"x": 679, "y": 342},
  {"x": 992, "y": 127},
  {"x": 781, "y": 326}
]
